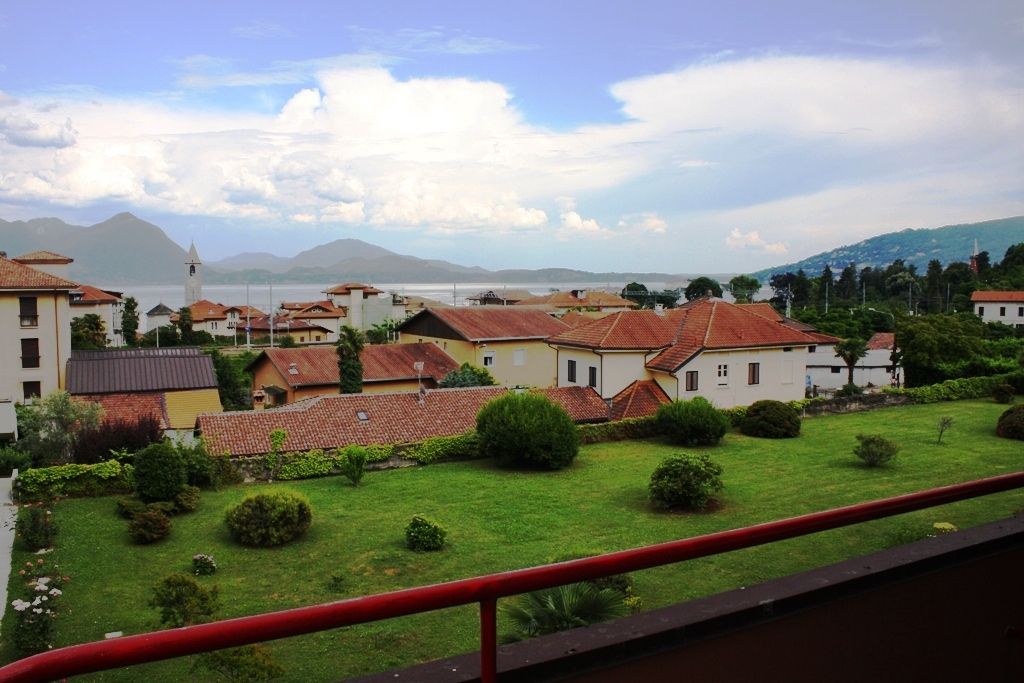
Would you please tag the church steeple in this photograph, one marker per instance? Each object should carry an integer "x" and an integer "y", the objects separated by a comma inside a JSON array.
[{"x": 193, "y": 277}]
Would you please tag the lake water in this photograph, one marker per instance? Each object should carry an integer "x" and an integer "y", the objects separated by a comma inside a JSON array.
[{"x": 262, "y": 298}]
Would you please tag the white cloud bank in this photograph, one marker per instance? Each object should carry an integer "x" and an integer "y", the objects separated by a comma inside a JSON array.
[{"x": 916, "y": 146}]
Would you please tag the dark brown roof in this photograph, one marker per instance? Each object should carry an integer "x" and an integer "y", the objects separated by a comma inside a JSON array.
[{"x": 130, "y": 370}]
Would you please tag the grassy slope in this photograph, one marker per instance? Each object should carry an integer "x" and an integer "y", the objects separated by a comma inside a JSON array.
[{"x": 501, "y": 520}]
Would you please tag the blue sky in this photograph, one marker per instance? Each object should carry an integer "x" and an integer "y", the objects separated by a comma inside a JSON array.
[{"x": 671, "y": 136}]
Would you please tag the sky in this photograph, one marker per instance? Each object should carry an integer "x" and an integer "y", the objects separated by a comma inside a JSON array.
[{"x": 673, "y": 136}]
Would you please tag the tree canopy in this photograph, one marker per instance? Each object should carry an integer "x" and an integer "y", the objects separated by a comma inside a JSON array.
[
  {"x": 467, "y": 376},
  {"x": 702, "y": 286},
  {"x": 743, "y": 288},
  {"x": 350, "y": 343},
  {"x": 88, "y": 332}
]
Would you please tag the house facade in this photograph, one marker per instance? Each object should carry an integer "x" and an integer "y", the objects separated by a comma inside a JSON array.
[
  {"x": 106, "y": 304},
  {"x": 507, "y": 341},
  {"x": 826, "y": 370},
  {"x": 999, "y": 307},
  {"x": 289, "y": 375},
  {"x": 35, "y": 335},
  {"x": 708, "y": 347}
]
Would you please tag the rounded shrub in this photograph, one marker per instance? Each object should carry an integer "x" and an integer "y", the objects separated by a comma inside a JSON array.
[
  {"x": 1011, "y": 423},
  {"x": 875, "y": 449},
  {"x": 159, "y": 472},
  {"x": 771, "y": 420},
  {"x": 685, "y": 482},
  {"x": 527, "y": 430},
  {"x": 424, "y": 534},
  {"x": 1003, "y": 393},
  {"x": 149, "y": 527},
  {"x": 269, "y": 519},
  {"x": 187, "y": 499},
  {"x": 692, "y": 423},
  {"x": 129, "y": 507}
]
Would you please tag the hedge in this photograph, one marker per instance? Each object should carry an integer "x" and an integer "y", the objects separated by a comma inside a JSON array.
[
  {"x": 957, "y": 389},
  {"x": 307, "y": 465},
  {"x": 101, "y": 479},
  {"x": 458, "y": 447},
  {"x": 619, "y": 430}
]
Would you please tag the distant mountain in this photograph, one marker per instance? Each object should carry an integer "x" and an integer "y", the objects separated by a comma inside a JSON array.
[
  {"x": 258, "y": 260},
  {"x": 123, "y": 249},
  {"x": 917, "y": 247}
]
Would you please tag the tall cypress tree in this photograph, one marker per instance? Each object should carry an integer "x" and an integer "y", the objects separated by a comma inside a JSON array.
[{"x": 350, "y": 369}]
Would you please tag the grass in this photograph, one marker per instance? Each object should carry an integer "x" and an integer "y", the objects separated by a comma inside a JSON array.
[{"x": 499, "y": 520}]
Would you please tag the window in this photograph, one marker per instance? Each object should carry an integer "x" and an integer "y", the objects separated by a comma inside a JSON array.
[
  {"x": 592, "y": 377},
  {"x": 571, "y": 371},
  {"x": 981, "y": 310},
  {"x": 318, "y": 337},
  {"x": 788, "y": 349},
  {"x": 753, "y": 373},
  {"x": 691, "y": 380},
  {"x": 1002, "y": 311},
  {"x": 30, "y": 353},
  {"x": 519, "y": 357},
  {"x": 31, "y": 390},
  {"x": 488, "y": 360},
  {"x": 836, "y": 369},
  {"x": 723, "y": 375},
  {"x": 28, "y": 311},
  {"x": 1020, "y": 311},
  {"x": 812, "y": 349}
]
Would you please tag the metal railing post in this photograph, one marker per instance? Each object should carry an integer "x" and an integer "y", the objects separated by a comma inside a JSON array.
[{"x": 489, "y": 641}]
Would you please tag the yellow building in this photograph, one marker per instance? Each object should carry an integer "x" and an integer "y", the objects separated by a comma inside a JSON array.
[{"x": 508, "y": 342}]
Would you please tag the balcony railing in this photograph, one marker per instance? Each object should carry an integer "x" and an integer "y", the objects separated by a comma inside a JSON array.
[{"x": 485, "y": 590}]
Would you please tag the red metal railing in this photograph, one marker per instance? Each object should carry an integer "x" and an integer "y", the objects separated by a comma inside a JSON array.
[{"x": 485, "y": 590}]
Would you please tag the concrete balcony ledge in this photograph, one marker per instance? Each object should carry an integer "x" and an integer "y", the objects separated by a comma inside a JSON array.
[{"x": 949, "y": 608}]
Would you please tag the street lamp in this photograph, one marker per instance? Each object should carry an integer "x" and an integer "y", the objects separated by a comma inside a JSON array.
[{"x": 886, "y": 313}]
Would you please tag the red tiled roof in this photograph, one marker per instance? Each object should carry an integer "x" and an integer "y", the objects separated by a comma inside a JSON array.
[
  {"x": 42, "y": 257},
  {"x": 640, "y": 399},
  {"x": 284, "y": 325},
  {"x": 765, "y": 310},
  {"x": 93, "y": 295},
  {"x": 577, "y": 318},
  {"x": 252, "y": 311},
  {"x": 318, "y": 309},
  {"x": 996, "y": 297},
  {"x": 582, "y": 403},
  {"x": 639, "y": 330},
  {"x": 823, "y": 338},
  {"x": 492, "y": 323},
  {"x": 318, "y": 366},
  {"x": 14, "y": 275},
  {"x": 592, "y": 298},
  {"x": 391, "y": 418},
  {"x": 130, "y": 407},
  {"x": 882, "y": 341},
  {"x": 349, "y": 286}
]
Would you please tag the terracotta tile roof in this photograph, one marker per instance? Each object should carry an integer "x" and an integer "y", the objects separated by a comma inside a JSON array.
[
  {"x": 130, "y": 407},
  {"x": 639, "y": 330},
  {"x": 582, "y": 403},
  {"x": 577, "y": 318},
  {"x": 348, "y": 286},
  {"x": 318, "y": 366},
  {"x": 391, "y": 418},
  {"x": 130, "y": 370},
  {"x": 205, "y": 309},
  {"x": 14, "y": 275},
  {"x": 491, "y": 323},
  {"x": 283, "y": 325},
  {"x": 996, "y": 297},
  {"x": 93, "y": 295},
  {"x": 580, "y": 298},
  {"x": 765, "y": 310},
  {"x": 642, "y": 398},
  {"x": 823, "y": 338},
  {"x": 43, "y": 257},
  {"x": 882, "y": 341},
  {"x": 317, "y": 309},
  {"x": 252, "y": 311}
]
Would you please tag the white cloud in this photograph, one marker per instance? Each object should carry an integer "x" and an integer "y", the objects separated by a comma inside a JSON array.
[
  {"x": 24, "y": 132},
  {"x": 752, "y": 240},
  {"x": 6, "y": 100},
  {"x": 302, "y": 218},
  {"x": 646, "y": 222},
  {"x": 574, "y": 225},
  {"x": 340, "y": 187},
  {"x": 343, "y": 212}
]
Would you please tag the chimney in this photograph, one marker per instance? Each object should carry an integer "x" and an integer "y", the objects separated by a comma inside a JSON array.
[
  {"x": 659, "y": 309},
  {"x": 259, "y": 398}
]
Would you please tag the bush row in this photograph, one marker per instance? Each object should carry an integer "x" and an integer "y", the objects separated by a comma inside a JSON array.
[
  {"x": 619, "y": 430},
  {"x": 957, "y": 389},
  {"x": 101, "y": 479}
]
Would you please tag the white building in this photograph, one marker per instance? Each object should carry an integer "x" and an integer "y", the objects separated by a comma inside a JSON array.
[
  {"x": 1000, "y": 307},
  {"x": 104, "y": 303},
  {"x": 826, "y": 370}
]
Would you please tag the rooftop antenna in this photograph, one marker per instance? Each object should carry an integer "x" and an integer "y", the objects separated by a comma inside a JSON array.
[{"x": 418, "y": 367}]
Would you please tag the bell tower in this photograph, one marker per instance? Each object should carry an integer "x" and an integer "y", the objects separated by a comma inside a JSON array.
[{"x": 193, "y": 277}]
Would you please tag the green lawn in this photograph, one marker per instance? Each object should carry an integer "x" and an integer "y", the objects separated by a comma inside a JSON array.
[{"x": 499, "y": 520}]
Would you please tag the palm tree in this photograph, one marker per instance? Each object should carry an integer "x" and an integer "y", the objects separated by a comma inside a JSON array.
[
  {"x": 562, "y": 608},
  {"x": 851, "y": 350},
  {"x": 350, "y": 369}
]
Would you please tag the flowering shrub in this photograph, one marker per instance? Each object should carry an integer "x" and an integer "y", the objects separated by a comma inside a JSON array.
[
  {"x": 203, "y": 564},
  {"x": 35, "y": 527},
  {"x": 37, "y": 608}
]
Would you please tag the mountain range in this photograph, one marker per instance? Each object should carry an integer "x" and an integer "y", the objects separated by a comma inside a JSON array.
[{"x": 156, "y": 259}]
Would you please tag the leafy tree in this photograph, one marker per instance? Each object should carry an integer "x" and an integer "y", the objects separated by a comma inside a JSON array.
[
  {"x": 701, "y": 287},
  {"x": 933, "y": 289},
  {"x": 166, "y": 335},
  {"x": 927, "y": 342},
  {"x": 743, "y": 288},
  {"x": 130, "y": 320},
  {"x": 184, "y": 325},
  {"x": 88, "y": 332},
  {"x": 637, "y": 293},
  {"x": 49, "y": 427},
  {"x": 287, "y": 342},
  {"x": 850, "y": 351},
  {"x": 182, "y": 601},
  {"x": 383, "y": 332},
  {"x": 232, "y": 385},
  {"x": 846, "y": 286},
  {"x": 826, "y": 288},
  {"x": 350, "y": 344},
  {"x": 467, "y": 376}
]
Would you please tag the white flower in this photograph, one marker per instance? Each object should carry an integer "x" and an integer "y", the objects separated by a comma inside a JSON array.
[
  {"x": 43, "y": 580},
  {"x": 56, "y": 591},
  {"x": 37, "y": 610},
  {"x": 20, "y": 605}
]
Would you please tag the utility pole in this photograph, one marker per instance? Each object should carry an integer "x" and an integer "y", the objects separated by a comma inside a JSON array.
[{"x": 271, "y": 314}]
